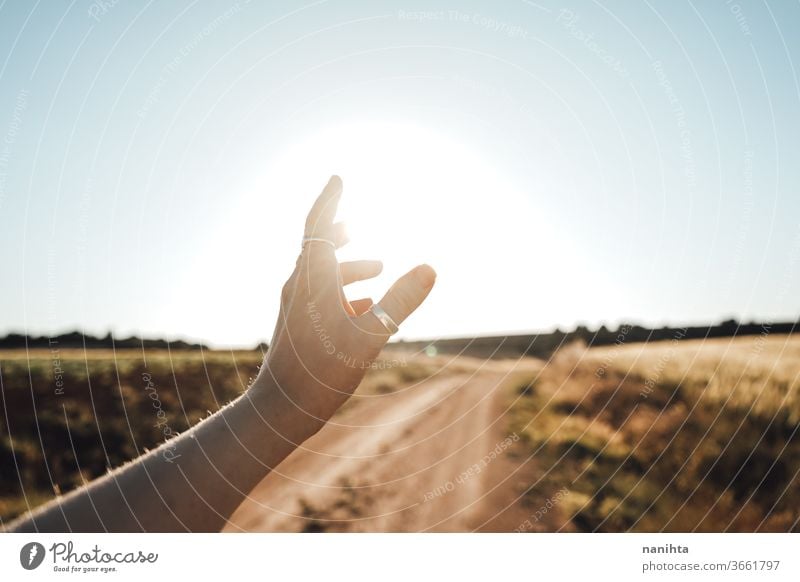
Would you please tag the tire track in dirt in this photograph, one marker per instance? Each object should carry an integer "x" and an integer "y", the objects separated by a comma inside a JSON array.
[{"x": 401, "y": 462}]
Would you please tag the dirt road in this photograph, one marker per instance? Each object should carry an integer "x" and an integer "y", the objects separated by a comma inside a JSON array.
[{"x": 411, "y": 460}]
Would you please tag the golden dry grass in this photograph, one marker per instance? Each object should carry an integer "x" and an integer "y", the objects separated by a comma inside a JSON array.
[
  {"x": 760, "y": 374},
  {"x": 674, "y": 436}
]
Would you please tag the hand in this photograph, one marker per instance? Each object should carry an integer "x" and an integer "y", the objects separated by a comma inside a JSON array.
[{"x": 323, "y": 344}]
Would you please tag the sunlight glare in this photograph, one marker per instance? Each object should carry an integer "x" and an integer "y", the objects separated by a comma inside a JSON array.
[{"x": 411, "y": 195}]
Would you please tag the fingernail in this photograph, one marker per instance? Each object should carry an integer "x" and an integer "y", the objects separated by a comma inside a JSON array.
[{"x": 425, "y": 275}]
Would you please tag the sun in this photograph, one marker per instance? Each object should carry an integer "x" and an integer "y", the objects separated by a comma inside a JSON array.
[{"x": 411, "y": 195}]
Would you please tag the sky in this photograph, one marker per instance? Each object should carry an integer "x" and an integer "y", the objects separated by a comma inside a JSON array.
[{"x": 558, "y": 163}]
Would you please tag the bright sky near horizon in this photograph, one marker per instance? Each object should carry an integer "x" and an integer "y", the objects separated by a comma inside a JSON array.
[{"x": 557, "y": 163}]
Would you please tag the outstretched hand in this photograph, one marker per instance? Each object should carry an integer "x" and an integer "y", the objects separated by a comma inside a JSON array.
[
  {"x": 323, "y": 343},
  {"x": 321, "y": 348}
]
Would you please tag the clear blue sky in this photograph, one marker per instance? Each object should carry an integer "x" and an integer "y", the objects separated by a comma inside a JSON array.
[{"x": 588, "y": 162}]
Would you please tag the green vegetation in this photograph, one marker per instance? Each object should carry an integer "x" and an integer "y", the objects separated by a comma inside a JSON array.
[
  {"x": 676, "y": 437},
  {"x": 70, "y": 415}
]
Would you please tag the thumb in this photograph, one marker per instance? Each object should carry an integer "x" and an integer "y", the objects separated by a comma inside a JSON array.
[{"x": 407, "y": 293}]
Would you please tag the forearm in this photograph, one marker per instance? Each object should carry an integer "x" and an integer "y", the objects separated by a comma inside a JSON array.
[
  {"x": 210, "y": 469},
  {"x": 193, "y": 482}
]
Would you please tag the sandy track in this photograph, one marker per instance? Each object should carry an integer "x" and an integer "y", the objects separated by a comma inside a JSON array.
[{"x": 392, "y": 463}]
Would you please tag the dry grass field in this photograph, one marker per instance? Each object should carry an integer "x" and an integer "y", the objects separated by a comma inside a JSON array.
[{"x": 669, "y": 436}]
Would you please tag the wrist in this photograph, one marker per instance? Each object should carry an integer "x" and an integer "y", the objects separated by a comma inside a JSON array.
[{"x": 280, "y": 409}]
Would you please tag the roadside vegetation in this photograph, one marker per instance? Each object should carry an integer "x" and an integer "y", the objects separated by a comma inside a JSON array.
[{"x": 669, "y": 436}]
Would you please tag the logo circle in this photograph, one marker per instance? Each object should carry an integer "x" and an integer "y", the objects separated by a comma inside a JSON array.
[{"x": 31, "y": 555}]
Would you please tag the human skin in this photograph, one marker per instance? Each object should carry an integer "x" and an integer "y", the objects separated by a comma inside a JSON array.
[{"x": 319, "y": 352}]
